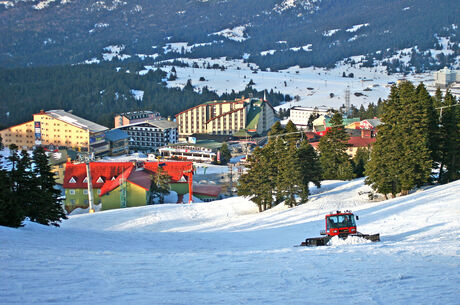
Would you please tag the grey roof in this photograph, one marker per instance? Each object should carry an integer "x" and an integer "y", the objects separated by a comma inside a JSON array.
[
  {"x": 116, "y": 135},
  {"x": 374, "y": 122},
  {"x": 162, "y": 124},
  {"x": 76, "y": 121}
]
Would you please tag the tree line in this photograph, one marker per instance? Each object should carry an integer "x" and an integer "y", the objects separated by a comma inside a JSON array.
[
  {"x": 28, "y": 189},
  {"x": 418, "y": 143}
]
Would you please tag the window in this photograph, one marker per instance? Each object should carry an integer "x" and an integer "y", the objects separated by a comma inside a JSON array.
[
  {"x": 72, "y": 201},
  {"x": 85, "y": 192},
  {"x": 85, "y": 180},
  {"x": 72, "y": 192},
  {"x": 99, "y": 192},
  {"x": 72, "y": 180}
]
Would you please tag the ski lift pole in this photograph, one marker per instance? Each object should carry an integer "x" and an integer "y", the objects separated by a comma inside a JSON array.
[{"x": 90, "y": 187}]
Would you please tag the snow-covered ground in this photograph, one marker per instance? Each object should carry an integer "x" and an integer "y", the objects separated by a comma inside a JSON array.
[
  {"x": 313, "y": 85},
  {"x": 225, "y": 252}
]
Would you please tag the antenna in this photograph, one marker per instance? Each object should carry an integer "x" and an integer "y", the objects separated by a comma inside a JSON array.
[{"x": 347, "y": 100}]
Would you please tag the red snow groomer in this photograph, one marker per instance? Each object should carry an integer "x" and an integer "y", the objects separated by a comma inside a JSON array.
[{"x": 341, "y": 224}]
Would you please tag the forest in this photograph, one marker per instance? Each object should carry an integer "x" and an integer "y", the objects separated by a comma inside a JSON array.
[{"x": 98, "y": 92}]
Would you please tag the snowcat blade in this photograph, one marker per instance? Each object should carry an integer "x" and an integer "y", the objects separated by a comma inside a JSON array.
[{"x": 316, "y": 241}]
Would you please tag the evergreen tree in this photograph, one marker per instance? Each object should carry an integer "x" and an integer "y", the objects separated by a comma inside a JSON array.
[
  {"x": 292, "y": 133},
  {"x": 159, "y": 186},
  {"x": 225, "y": 154},
  {"x": 334, "y": 160},
  {"x": 276, "y": 129},
  {"x": 449, "y": 140},
  {"x": 256, "y": 183},
  {"x": 289, "y": 180},
  {"x": 381, "y": 170},
  {"x": 359, "y": 161},
  {"x": 46, "y": 208},
  {"x": 401, "y": 158},
  {"x": 11, "y": 213},
  {"x": 310, "y": 168}
]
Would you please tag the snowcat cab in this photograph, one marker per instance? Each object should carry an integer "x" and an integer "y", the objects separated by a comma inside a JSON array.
[{"x": 341, "y": 224}]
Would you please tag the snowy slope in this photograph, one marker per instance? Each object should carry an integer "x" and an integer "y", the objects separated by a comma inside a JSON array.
[{"x": 226, "y": 253}]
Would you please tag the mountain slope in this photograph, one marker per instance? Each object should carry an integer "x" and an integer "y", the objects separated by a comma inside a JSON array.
[
  {"x": 226, "y": 252},
  {"x": 61, "y": 32}
]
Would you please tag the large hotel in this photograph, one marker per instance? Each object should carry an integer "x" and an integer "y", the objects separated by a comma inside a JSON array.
[
  {"x": 60, "y": 129},
  {"x": 227, "y": 117}
]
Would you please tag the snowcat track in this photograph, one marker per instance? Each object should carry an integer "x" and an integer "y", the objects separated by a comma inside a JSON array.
[{"x": 322, "y": 241}]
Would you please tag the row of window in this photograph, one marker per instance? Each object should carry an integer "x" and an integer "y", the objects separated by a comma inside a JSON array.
[{"x": 85, "y": 192}]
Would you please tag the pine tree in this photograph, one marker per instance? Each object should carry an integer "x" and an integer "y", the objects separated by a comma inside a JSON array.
[
  {"x": 46, "y": 208},
  {"x": 11, "y": 212},
  {"x": 276, "y": 129},
  {"x": 292, "y": 133},
  {"x": 449, "y": 140},
  {"x": 334, "y": 160},
  {"x": 381, "y": 170},
  {"x": 225, "y": 154},
  {"x": 255, "y": 183},
  {"x": 359, "y": 161},
  {"x": 159, "y": 186},
  {"x": 401, "y": 158},
  {"x": 310, "y": 168}
]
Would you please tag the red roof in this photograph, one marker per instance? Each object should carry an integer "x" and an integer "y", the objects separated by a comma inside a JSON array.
[
  {"x": 175, "y": 169},
  {"x": 110, "y": 185},
  {"x": 206, "y": 190},
  {"x": 361, "y": 142},
  {"x": 100, "y": 171}
]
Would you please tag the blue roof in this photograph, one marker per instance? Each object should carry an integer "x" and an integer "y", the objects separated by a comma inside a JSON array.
[{"x": 116, "y": 135}]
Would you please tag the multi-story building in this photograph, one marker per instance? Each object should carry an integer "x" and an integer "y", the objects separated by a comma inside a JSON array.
[
  {"x": 59, "y": 129},
  {"x": 301, "y": 115},
  {"x": 21, "y": 135},
  {"x": 227, "y": 117},
  {"x": 63, "y": 129},
  {"x": 135, "y": 117},
  {"x": 119, "y": 141},
  {"x": 149, "y": 135},
  {"x": 445, "y": 77}
]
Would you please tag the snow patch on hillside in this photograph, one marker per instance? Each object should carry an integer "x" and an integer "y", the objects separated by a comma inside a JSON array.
[
  {"x": 236, "y": 33},
  {"x": 329, "y": 33},
  {"x": 356, "y": 27},
  {"x": 114, "y": 51},
  {"x": 309, "y": 5}
]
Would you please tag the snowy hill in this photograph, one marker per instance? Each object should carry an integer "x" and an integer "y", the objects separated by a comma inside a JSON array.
[{"x": 226, "y": 253}]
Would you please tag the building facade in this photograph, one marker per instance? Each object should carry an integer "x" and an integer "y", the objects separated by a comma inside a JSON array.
[
  {"x": 226, "y": 117},
  {"x": 21, "y": 135},
  {"x": 150, "y": 135},
  {"x": 58, "y": 129},
  {"x": 301, "y": 115},
  {"x": 445, "y": 77}
]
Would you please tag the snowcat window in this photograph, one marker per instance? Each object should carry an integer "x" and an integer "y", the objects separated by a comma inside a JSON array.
[{"x": 340, "y": 221}]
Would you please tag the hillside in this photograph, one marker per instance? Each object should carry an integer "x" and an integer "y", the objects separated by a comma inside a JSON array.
[
  {"x": 273, "y": 34},
  {"x": 226, "y": 252}
]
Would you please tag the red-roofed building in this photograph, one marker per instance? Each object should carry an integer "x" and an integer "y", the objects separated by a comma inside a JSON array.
[
  {"x": 354, "y": 143},
  {"x": 121, "y": 184},
  {"x": 76, "y": 183}
]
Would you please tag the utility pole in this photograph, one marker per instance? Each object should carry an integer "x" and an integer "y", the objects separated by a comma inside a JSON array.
[{"x": 90, "y": 186}]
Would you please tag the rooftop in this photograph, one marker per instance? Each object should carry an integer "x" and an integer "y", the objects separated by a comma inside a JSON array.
[{"x": 76, "y": 121}]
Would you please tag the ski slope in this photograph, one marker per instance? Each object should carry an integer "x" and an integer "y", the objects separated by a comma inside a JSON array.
[{"x": 225, "y": 252}]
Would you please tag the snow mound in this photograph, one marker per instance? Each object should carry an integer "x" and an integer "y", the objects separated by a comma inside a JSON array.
[{"x": 351, "y": 240}]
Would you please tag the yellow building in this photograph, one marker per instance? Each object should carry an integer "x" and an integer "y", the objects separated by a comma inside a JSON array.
[
  {"x": 60, "y": 129},
  {"x": 63, "y": 129},
  {"x": 22, "y": 135},
  {"x": 227, "y": 117}
]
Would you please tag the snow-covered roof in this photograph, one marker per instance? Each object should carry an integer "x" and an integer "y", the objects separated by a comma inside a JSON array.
[{"x": 76, "y": 121}]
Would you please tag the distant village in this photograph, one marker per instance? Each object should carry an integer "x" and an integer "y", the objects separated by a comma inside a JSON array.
[{"x": 117, "y": 179}]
